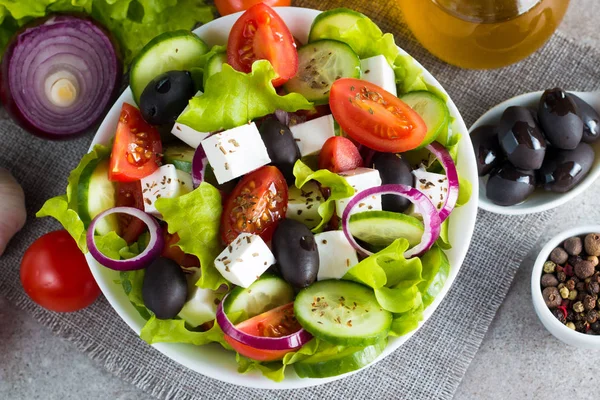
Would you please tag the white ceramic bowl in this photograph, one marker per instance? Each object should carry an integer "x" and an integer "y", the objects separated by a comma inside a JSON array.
[
  {"x": 540, "y": 200},
  {"x": 556, "y": 328},
  {"x": 212, "y": 360}
]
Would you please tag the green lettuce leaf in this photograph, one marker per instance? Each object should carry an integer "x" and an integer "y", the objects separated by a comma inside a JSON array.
[
  {"x": 436, "y": 269},
  {"x": 409, "y": 76},
  {"x": 340, "y": 189},
  {"x": 174, "y": 331},
  {"x": 132, "y": 282},
  {"x": 406, "y": 322},
  {"x": 464, "y": 193},
  {"x": 444, "y": 240},
  {"x": 195, "y": 217},
  {"x": 233, "y": 98}
]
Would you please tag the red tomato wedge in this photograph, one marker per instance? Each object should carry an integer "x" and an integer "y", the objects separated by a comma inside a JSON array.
[
  {"x": 137, "y": 147},
  {"x": 277, "y": 322},
  {"x": 261, "y": 34},
  {"x": 226, "y": 7},
  {"x": 256, "y": 205},
  {"x": 375, "y": 118},
  {"x": 129, "y": 194},
  {"x": 339, "y": 154},
  {"x": 174, "y": 252}
]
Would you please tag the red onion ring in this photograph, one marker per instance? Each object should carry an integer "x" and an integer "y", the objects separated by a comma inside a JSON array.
[
  {"x": 199, "y": 163},
  {"x": 431, "y": 218},
  {"x": 444, "y": 157},
  {"x": 151, "y": 253},
  {"x": 293, "y": 341},
  {"x": 283, "y": 117}
]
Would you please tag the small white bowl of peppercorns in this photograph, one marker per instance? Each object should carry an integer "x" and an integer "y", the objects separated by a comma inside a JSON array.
[{"x": 565, "y": 286}]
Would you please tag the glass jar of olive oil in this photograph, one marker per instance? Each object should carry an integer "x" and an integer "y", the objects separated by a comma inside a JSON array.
[{"x": 483, "y": 34}]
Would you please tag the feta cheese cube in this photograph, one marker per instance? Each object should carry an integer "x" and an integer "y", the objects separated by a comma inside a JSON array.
[
  {"x": 361, "y": 179},
  {"x": 235, "y": 152},
  {"x": 432, "y": 185},
  {"x": 378, "y": 71},
  {"x": 201, "y": 304},
  {"x": 311, "y": 135},
  {"x": 244, "y": 260},
  {"x": 303, "y": 204},
  {"x": 189, "y": 136},
  {"x": 336, "y": 255},
  {"x": 167, "y": 181}
]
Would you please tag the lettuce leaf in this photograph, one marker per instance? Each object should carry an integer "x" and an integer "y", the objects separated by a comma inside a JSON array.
[
  {"x": 174, "y": 331},
  {"x": 195, "y": 217},
  {"x": 464, "y": 193},
  {"x": 409, "y": 76},
  {"x": 340, "y": 189},
  {"x": 436, "y": 268},
  {"x": 132, "y": 282},
  {"x": 233, "y": 98}
]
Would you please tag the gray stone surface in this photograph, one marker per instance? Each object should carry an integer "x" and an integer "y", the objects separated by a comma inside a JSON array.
[{"x": 518, "y": 359}]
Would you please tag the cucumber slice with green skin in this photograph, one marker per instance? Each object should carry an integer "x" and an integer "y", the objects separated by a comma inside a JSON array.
[
  {"x": 333, "y": 362},
  {"x": 95, "y": 193},
  {"x": 214, "y": 65},
  {"x": 320, "y": 64},
  {"x": 381, "y": 228},
  {"x": 342, "y": 312},
  {"x": 342, "y": 18},
  {"x": 265, "y": 294},
  {"x": 170, "y": 51},
  {"x": 432, "y": 109},
  {"x": 180, "y": 156}
]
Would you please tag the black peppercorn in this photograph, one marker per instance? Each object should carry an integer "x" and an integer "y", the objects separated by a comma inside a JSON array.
[
  {"x": 589, "y": 302},
  {"x": 570, "y": 315},
  {"x": 579, "y": 316},
  {"x": 560, "y": 315},
  {"x": 591, "y": 316},
  {"x": 559, "y": 255},
  {"x": 561, "y": 276},
  {"x": 570, "y": 284},
  {"x": 573, "y": 246},
  {"x": 593, "y": 287},
  {"x": 580, "y": 286},
  {"x": 595, "y": 326},
  {"x": 581, "y": 326}
]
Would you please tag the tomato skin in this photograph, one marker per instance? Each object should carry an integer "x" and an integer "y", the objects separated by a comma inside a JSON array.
[
  {"x": 136, "y": 149},
  {"x": 174, "y": 252},
  {"x": 375, "y": 118},
  {"x": 226, "y": 7},
  {"x": 256, "y": 205},
  {"x": 55, "y": 274},
  {"x": 261, "y": 34},
  {"x": 129, "y": 194},
  {"x": 339, "y": 155}
]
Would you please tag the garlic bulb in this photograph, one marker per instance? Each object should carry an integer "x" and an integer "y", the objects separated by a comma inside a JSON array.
[{"x": 12, "y": 208}]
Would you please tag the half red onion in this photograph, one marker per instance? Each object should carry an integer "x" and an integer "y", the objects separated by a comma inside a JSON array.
[
  {"x": 199, "y": 163},
  {"x": 283, "y": 117},
  {"x": 293, "y": 341},
  {"x": 59, "y": 76},
  {"x": 444, "y": 157},
  {"x": 150, "y": 253},
  {"x": 423, "y": 206}
]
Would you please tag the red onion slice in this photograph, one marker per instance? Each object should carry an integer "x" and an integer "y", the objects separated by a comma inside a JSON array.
[
  {"x": 199, "y": 163},
  {"x": 431, "y": 218},
  {"x": 151, "y": 253},
  {"x": 293, "y": 341},
  {"x": 283, "y": 117},
  {"x": 444, "y": 157}
]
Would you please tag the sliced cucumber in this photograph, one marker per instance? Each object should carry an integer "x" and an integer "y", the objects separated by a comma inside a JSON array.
[
  {"x": 332, "y": 361},
  {"x": 432, "y": 109},
  {"x": 214, "y": 65},
  {"x": 342, "y": 312},
  {"x": 95, "y": 193},
  {"x": 341, "y": 18},
  {"x": 381, "y": 228},
  {"x": 320, "y": 64},
  {"x": 181, "y": 156},
  {"x": 177, "y": 50},
  {"x": 265, "y": 294}
]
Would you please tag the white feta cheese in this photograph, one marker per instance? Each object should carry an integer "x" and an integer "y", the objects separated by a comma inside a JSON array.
[
  {"x": 244, "y": 260},
  {"x": 167, "y": 181},
  {"x": 201, "y": 304},
  {"x": 361, "y": 179},
  {"x": 311, "y": 135},
  {"x": 378, "y": 71},
  {"x": 235, "y": 152},
  {"x": 432, "y": 185},
  {"x": 336, "y": 255},
  {"x": 303, "y": 204},
  {"x": 189, "y": 136}
]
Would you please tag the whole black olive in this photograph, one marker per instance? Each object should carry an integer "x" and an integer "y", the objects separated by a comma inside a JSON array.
[
  {"x": 488, "y": 153},
  {"x": 164, "y": 289},
  {"x": 509, "y": 185},
  {"x": 590, "y": 118},
  {"x": 558, "y": 118},
  {"x": 281, "y": 146},
  {"x": 521, "y": 139},
  {"x": 564, "y": 169},
  {"x": 393, "y": 169},
  {"x": 296, "y": 252},
  {"x": 166, "y": 96}
]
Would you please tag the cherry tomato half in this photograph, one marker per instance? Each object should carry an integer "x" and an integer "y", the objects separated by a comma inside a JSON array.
[
  {"x": 55, "y": 274},
  {"x": 256, "y": 205},
  {"x": 277, "y": 322},
  {"x": 137, "y": 147},
  {"x": 374, "y": 117},
  {"x": 226, "y": 7},
  {"x": 261, "y": 34},
  {"x": 339, "y": 154},
  {"x": 129, "y": 194}
]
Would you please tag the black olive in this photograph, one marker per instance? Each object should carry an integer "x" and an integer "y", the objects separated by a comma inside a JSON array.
[
  {"x": 590, "y": 118},
  {"x": 509, "y": 185},
  {"x": 164, "y": 290},
  {"x": 281, "y": 146},
  {"x": 166, "y": 96},
  {"x": 521, "y": 139},
  {"x": 563, "y": 169},
  {"x": 488, "y": 153},
  {"x": 295, "y": 250},
  {"x": 558, "y": 118},
  {"x": 393, "y": 169}
]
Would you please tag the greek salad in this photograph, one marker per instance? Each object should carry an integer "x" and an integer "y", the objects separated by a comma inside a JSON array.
[{"x": 289, "y": 201}]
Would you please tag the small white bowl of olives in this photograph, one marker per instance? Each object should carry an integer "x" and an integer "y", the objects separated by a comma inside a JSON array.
[{"x": 537, "y": 151}]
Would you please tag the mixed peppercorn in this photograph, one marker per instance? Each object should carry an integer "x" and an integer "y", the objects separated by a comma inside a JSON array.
[{"x": 571, "y": 283}]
